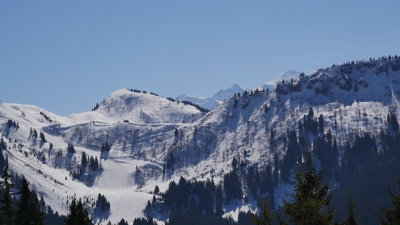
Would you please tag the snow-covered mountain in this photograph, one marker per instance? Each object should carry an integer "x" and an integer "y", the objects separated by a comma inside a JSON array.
[
  {"x": 50, "y": 176},
  {"x": 143, "y": 108},
  {"x": 144, "y": 130},
  {"x": 214, "y": 101},
  {"x": 223, "y": 94},
  {"x": 286, "y": 75},
  {"x": 205, "y": 102}
]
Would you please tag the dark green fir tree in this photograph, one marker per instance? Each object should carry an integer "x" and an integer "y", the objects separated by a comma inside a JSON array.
[
  {"x": 78, "y": 214},
  {"x": 7, "y": 211},
  {"x": 28, "y": 212},
  {"x": 392, "y": 216},
  {"x": 310, "y": 198},
  {"x": 351, "y": 218}
]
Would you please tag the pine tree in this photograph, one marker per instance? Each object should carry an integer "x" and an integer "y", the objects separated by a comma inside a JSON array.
[
  {"x": 22, "y": 214},
  {"x": 28, "y": 212},
  {"x": 92, "y": 165},
  {"x": 392, "y": 216},
  {"x": 77, "y": 214},
  {"x": 2, "y": 160},
  {"x": 394, "y": 122},
  {"x": 310, "y": 199},
  {"x": 83, "y": 160},
  {"x": 35, "y": 134},
  {"x": 156, "y": 190},
  {"x": 6, "y": 209},
  {"x": 218, "y": 202},
  {"x": 70, "y": 148},
  {"x": 321, "y": 123},
  {"x": 351, "y": 219},
  {"x": 234, "y": 163},
  {"x": 42, "y": 138},
  {"x": 3, "y": 145},
  {"x": 96, "y": 163},
  {"x": 266, "y": 218}
]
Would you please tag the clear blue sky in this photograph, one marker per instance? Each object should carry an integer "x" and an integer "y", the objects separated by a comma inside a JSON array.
[{"x": 65, "y": 56}]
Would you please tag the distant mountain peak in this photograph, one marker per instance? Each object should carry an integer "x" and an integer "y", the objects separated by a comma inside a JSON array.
[
  {"x": 214, "y": 101},
  {"x": 285, "y": 75},
  {"x": 229, "y": 92}
]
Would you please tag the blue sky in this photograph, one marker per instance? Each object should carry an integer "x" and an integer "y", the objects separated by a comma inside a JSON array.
[{"x": 65, "y": 56}]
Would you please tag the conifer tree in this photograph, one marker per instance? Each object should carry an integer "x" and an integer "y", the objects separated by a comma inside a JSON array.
[
  {"x": 37, "y": 214},
  {"x": 77, "y": 214},
  {"x": 42, "y": 138},
  {"x": 6, "y": 209},
  {"x": 70, "y": 148},
  {"x": 156, "y": 190},
  {"x": 392, "y": 216},
  {"x": 266, "y": 218},
  {"x": 351, "y": 218},
  {"x": 310, "y": 199},
  {"x": 321, "y": 123},
  {"x": 23, "y": 203},
  {"x": 83, "y": 160},
  {"x": 218, "y": 202},
  {"x": 28, "y": 212},
  {"x": 2, "y": 160},
  {"x": 3, "y": 145},
  {"x": 35, "y": 134}
]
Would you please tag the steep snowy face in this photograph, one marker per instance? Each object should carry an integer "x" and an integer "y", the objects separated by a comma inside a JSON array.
[
  {"x": 144, "y": 108},
  {"x": 365, "y": 81},
  {"x": 350, "y": 97}
]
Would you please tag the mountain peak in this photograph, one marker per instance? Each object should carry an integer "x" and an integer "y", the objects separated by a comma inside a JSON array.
[
  {"x": 229, "y": 92},
  {"x": 285, "y": 75}
]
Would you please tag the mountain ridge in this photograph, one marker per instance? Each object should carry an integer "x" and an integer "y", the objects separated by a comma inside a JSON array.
[
  {"x": 223, "y": 94},
  {"x": 352, "y": 98}
]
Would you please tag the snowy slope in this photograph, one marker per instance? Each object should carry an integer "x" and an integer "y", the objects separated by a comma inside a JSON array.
[
  {"x": 118, "y": 179},
  {"x": 357, "y": 96},
  {"x": 144, "y": 109}
]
